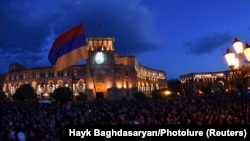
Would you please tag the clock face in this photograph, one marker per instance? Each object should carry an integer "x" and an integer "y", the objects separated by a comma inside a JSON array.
[{"x": 99, "y": 58}]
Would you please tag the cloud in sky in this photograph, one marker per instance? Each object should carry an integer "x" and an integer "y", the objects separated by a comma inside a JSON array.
[
  {"x": 29, "y": 27},
  {"x": 207, "y": 44},
  {"x": 150, "y": 30}
]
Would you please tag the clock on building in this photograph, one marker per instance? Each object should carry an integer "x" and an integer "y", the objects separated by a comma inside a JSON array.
[{"x": 99, "y": 57}]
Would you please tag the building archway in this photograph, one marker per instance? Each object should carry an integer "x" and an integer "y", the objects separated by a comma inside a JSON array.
[
  {"x": 220, "y": 86},
  {"x": 50, "y": 86},
  {"x": 101, "y": 91},
  {"x": 60, "y": 83},
  {"x": 34, "y": 84}
]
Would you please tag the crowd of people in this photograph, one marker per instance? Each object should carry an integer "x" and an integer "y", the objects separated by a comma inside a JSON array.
[{"x": 46, "y": 121}]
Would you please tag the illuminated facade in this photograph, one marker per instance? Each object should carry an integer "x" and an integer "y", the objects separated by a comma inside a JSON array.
[
  {"x": 104, "y": 76},
  {"x": 214, "y": 82}
]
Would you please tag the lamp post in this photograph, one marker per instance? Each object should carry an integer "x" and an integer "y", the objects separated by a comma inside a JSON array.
[{"x": 238, "y": 61}]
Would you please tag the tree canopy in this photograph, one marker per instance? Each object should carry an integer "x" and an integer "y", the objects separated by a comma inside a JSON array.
[
  {"x": 63, "y": 94},
  {"x": 2, "y": 95},
  {"x": 139, "y": 96},
  {"x": 25, "y": 92}
]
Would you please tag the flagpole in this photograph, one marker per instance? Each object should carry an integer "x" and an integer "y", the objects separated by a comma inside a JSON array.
[
  {"x": 92, "y": 75},
  {"x": 73, "y": 80}
]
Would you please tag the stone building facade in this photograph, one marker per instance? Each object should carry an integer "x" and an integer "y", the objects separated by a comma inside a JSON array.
[
  {"x": 214, "y": 82},
  {"x": 105, "y": 75}
]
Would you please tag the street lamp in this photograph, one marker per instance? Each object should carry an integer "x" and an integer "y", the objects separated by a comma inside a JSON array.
[
  {"x": 235, "y": 60},
  {"x": 239, "y": 59}
]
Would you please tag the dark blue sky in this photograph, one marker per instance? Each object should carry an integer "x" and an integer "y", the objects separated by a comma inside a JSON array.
[{"x": 176, "y": 36}]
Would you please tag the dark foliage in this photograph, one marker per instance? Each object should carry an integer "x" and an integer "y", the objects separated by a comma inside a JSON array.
[
  {"x": 62, "y": 94},
  {"x": 81, "y": 97},
  {"x": 2, "y": 95},
  {"x": 157, "y": 94},
  {"x": 139, "y": 96},
  {"x": 175, "y": 86},
  {"x": 25, "y": 92}
]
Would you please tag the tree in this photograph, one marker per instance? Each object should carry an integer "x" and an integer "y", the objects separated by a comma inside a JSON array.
[
  {"x": 81, "y": 97},
  {"x": 157, "y": 94},
  {"x": 139, "y": 96},
  {"x": 175, "y": 86},
  {"x": 25, "y": 92},
  {"x": 206, "y": 89},
  {"x": 2, "y": 95},
  {"x": 62, "y": 94}
]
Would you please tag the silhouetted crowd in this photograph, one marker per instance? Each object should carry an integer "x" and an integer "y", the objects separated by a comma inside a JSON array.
[{"x": 33, "y": 121}]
